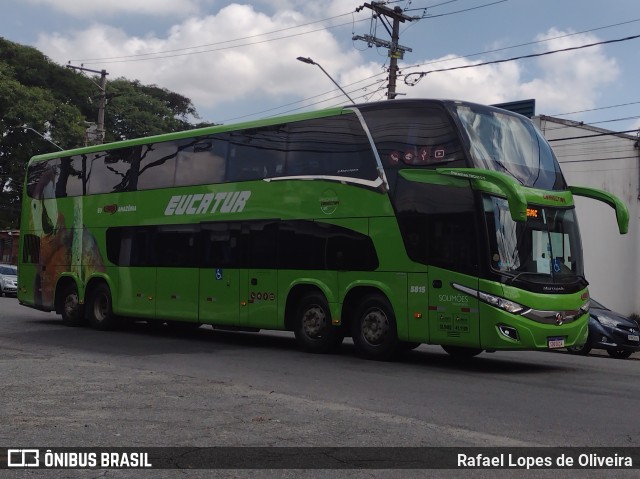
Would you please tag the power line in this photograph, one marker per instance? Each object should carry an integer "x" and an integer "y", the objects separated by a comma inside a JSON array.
[
  {"x": 595, "y": 109},
  {"x": 455, "y": 58},
  {"x": 611, "y": 133},
  {"x": 532, "y": 55},
  {"x": 523, "y": 44},
  {"x": 459, "y": 11},
  {"x": 218, "y": 43},
  {"x": 172, "y": 53}
]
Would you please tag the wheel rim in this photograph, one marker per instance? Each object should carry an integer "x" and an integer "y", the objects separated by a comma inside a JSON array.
[
  {"x": 375, "y": 327},
  {"x": 71, "y": 305},
  {"x": 314, "y": 322},
  {"x": 101, "y": 308}
]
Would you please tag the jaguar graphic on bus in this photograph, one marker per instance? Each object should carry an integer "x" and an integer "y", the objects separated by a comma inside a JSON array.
[{"x": 395, "y": 223}]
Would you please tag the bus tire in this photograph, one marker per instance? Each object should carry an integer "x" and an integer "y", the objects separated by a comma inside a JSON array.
[
  {"x": 100, "y": 308},
  {"x": 71, "y": 310},
  {"x": 312, "y": 325},
  {"x": 582, "y": 350},
  {"x": 373, "y": 330},
  {"x": 461, "y": 352}
]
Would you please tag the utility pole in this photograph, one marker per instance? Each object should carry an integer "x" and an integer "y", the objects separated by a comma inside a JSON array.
[
  {"x": 102, "y": 103},
  {"x": 396, "y": 51}
]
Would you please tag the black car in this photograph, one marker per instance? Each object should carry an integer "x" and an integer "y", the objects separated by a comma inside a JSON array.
[{"x": 611, "y": 331}]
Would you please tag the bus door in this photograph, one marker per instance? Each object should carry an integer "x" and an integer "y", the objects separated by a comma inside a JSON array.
[
  {"x": 220, "y": 283},
  {"x": 453, "y": 315},
  {"x": 134, "y": 279},
  {"x": 261, "y": 307},
  {"x": 261, "y": 280},
  {"x": 177, "y": 274}
]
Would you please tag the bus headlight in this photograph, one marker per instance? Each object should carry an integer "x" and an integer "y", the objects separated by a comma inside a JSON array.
[
  {"x": 493, "y": 300},
  {"x": 498, "y": 302}
]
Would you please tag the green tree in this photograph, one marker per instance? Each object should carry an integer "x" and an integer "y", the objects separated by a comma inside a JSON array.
[{"x": 39, "y": 98}]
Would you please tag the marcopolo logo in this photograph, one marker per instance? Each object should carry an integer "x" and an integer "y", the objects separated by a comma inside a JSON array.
[{"x": 199, "y": 204}]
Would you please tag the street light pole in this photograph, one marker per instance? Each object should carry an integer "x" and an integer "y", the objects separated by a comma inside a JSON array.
[
  {"x": 25, "y": 127},
  {"x": 311, "y": 62}
]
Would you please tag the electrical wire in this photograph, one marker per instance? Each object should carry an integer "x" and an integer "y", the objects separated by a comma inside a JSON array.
[
  {"x": 470, "y": 55},
  {"x": 459, "y": 11},
  {"x": 217, "y": 43},
  {"x": 532, "y": 55}
]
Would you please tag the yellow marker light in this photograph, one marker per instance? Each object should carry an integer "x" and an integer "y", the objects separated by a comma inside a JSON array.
[{"x": 532, "y": 213}]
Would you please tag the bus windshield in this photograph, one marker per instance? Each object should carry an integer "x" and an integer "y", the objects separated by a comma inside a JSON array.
[
  {"x": 544, "y": 249},
  {"x": 510, "y": 144}
]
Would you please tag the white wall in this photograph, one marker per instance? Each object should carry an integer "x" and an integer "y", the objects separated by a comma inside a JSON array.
[{"x": 611, "y": 163}]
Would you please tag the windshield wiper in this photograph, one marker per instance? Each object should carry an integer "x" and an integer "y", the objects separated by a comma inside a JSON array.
[
  {"x": 513, "y": 279},
  {"x": 531, "y": 273}
]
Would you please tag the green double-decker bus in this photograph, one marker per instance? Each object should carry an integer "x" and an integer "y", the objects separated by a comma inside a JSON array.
[{"x": 395, "y": 223}]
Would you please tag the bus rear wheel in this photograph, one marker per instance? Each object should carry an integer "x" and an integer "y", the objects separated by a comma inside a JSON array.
[
  {"x": 374, "y": 329},
  {"x": 313, "y": 328},
  {"x": 71, "y": 310},
  {"x": 461, "y": 352},
  {"x": 100, "y": 309}
]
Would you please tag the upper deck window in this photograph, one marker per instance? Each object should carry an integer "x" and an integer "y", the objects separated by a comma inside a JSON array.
[{"x": 510, "y": 144}]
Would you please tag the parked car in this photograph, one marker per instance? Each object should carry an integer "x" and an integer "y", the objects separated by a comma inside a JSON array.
[
  {"x": 611, "y": 331},
  {"x": 8, "y": 280}
]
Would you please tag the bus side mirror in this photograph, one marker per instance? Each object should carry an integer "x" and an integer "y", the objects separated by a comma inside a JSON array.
[{"x": 622, "y": 212}]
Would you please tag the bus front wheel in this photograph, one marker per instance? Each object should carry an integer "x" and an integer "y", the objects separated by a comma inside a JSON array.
[
  {"x": 373, "y": 330},
  {"x": 71, "y": 310},
  {"x": 100, "y": 310},
  {"x": 312, "y": 328}
]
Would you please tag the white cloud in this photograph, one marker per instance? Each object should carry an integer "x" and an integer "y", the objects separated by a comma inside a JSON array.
[
  {"x": 565, "y": 81},
  {"x": 84, "y": 8},
  {"x": 229, "y": 72},
  {"x": 224, "y": 71}
]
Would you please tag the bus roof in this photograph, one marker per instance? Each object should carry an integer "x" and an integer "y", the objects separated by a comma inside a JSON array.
[
  {"x": 191, "y": 133},
  {"x": 245, "y": 125}
]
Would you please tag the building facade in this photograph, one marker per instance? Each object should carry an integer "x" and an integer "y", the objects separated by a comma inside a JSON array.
[
  {"x": 9, "y": 240},
  {"x": 598, "y": 158}
]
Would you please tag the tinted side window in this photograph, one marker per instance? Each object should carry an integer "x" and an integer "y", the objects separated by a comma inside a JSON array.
[
  {"x": 333, "y": 146},
  {"x": 256, "y": 154},
  {"x": 177, "y": 246},
  {"x": 70, "y": 180},
  {"x": 30, "y": 248},
  {"x": 260, "y": 242},
  {"x": 34, "y": 175},
  {"x": 221, "y": 244},
  {"x": 302, "y": 245},
  {"x": 157, "y": 165},
  {"x": 351, "y": 251},
  {"x": 113, "y": 171},
  {"x": 201, "y": 161},
  {"x": 131, "y": 246},
  {"x": 414, "y": 137},
  {"x": 438, "y": 225}
]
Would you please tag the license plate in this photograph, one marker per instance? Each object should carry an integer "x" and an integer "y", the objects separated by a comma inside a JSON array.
[
  {"x": 633, "y": 337},
  {"x": 555, "y": 343}
]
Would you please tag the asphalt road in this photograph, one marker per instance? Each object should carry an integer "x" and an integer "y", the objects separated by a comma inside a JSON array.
[{"x": 144, "y": 387}]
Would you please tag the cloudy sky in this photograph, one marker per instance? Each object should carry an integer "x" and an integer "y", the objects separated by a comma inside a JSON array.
[{"x": 237, "y": 60}]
